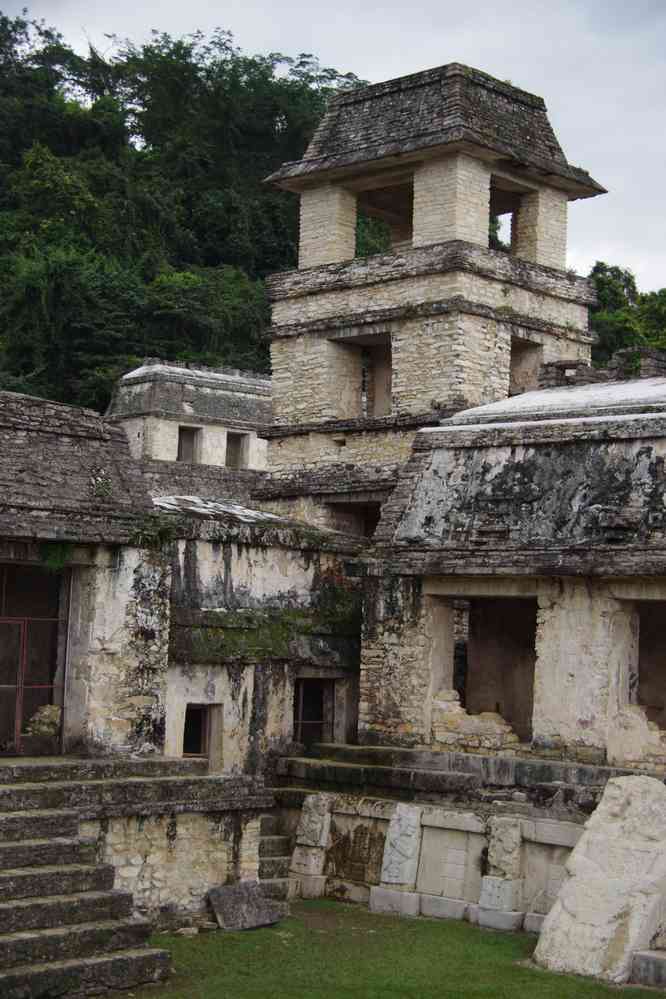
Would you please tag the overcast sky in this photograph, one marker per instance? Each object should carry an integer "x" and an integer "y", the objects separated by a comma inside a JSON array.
[{"x": 599, "y": 65}]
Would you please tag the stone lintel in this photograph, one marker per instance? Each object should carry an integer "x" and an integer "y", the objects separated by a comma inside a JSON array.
[
  {"x": 379, "y": 424},
  {"x": 437, "y": 258}
]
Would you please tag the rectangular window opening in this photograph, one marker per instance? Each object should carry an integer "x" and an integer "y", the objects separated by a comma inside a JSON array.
[
  {"x": 188, "y": 444},
  {"x": 196, "y": 733},
  {"x": 384, "y": 220},
  {"x": 314, "y": 710},
  {"x": 236, "y": 453}
]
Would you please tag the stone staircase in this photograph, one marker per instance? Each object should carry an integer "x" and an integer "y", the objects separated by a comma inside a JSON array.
[
  {"x": 64, "y": 931},
  {"x": 274, "y": 859}
]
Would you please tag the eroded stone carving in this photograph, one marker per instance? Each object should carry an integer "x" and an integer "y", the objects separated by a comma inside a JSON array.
[
  {"x": 315, "y": 821},
  {"x": 403, "y": 843},
  {"x": 611, "y": 903}
]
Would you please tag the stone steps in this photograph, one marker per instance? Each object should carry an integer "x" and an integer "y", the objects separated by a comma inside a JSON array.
[
  {"x": 61, "y": 943},
  {"x": 649, "y": 968},
  {"x": 87, "y": 797},
  {"x": 274, "y": 867},
  {"x": 34, "y": 772},
  {"x": 497, "y": 771},
  {"x": 63, "y": 910},
  {"x": 274, "y": 846},
  {"x": 46, "y": 852},
  {"x": 32, "y": 882},
  {"x": 21, "y": 825},
  {"x": 85, "y": 976},
  {"x": 358, "y": 777}
]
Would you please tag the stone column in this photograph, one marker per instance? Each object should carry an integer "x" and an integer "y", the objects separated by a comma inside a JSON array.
[
  {"x": 451, "y": 201},
  {"x": 539, "y": 232},
  {"x": 327, "y": 226},
  {"x": 397, "y": 892},
  {"x": 586, "y": 644}
]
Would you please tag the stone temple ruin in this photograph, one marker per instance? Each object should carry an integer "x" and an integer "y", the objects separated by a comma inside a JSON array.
[{"x": 380, "y": 628}]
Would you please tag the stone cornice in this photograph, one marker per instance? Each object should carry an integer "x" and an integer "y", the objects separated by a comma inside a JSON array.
[
  {"x": 380, "y": 424},
  {"x": 454, "y": 255}
]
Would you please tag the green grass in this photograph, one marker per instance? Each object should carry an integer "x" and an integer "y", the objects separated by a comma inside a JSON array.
[{"x": 328, "y": 950}]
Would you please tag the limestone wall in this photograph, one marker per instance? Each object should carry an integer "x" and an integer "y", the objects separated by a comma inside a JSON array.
[
  {"x": 170, "y": 862},
  {"x": 451, "y": 200},
  {"x": 327, "y": 225},
  {"x": 156, "y": 438},
  {"x": 312, "y": 450}
]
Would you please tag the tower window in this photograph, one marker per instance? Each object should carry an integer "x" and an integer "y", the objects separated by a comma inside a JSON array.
[{"x": 236, "y": 454}]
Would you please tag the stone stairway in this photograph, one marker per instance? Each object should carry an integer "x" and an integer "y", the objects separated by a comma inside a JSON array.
[
  {"x": 64, "y": 931},
  {"x": 274, "y": 859}
]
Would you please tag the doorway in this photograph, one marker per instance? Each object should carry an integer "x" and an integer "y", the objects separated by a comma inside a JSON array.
[
  {"x": 314, "y": 702},
  {"x": 33, "y": 639}
]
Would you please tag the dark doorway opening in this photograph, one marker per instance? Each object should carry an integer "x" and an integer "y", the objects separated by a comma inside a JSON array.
[
  {"x": 314, "y": 711},
  {"x": 195, "y": 736},
  {"x": 33, "y": 640}
]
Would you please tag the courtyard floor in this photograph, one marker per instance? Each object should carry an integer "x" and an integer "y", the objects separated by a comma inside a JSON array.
[{"x": 329, "y": 950}]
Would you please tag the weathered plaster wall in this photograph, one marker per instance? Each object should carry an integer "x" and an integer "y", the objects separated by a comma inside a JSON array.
[
  {"x": 248, "y": 620},
  {"x": 118, "y": 651},
  {"x": 312, "y": 450},
  {"x": 156, "y": 438}
]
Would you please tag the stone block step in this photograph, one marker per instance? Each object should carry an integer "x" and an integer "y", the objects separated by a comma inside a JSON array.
[
  {"x": 269, "y": 825},
  {"x": 277, "y": 888},
  {"x": 330, "y": 775},
  {"x": 85, "y": 976},
  {"x": 649, "y": 968},
  {"x": 501, "y": 771},
  {"x": 63, "y": 910},
  {"x": 17, "y": 826},
  {"x": 46, "y": 852},
  {"x": 105, "y": 768},
  {"x": 269, "y": 846},
  {"x": 90, "y": 796},
  {"x": 39, "y": 882},
  {"x": 274, "y": 867},
  {"x": 63, "y": 942}
]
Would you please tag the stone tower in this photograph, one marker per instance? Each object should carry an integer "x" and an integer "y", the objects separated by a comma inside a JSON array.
[{"x": 366, "y": 350}]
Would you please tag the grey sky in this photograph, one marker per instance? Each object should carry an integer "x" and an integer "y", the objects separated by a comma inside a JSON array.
[{"x": 599, "y": 64}]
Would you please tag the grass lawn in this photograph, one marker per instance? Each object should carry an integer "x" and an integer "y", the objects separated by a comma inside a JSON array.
[{"x": 327, "y": 950}]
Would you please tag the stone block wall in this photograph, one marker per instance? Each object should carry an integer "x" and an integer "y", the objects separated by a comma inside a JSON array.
[
  {"x": 451, "y": 200},
  {"x": 488, "y": 866},
  {"x": 314, "y": 450},
  {"x": 540, "y": 229},
  {"x": 153, "y": 438},
  {"x": 169, "y": 862},
  {"x": 327, "y": 225}
]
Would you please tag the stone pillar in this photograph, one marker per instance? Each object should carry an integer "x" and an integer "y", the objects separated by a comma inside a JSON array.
[
  {"x": 501, "y": 899},
  {"x": 397, "y": 892},
  {"x": 586, "y": 643},
  {"x": 539, "y": 232},
  {"x": 327, "y": 226},
  {"x": 451, "y": 201},
  {"x": 309, "y": 857}
]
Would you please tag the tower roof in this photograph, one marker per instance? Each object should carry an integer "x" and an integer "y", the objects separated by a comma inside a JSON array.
[{"x": 453, "y": 106}]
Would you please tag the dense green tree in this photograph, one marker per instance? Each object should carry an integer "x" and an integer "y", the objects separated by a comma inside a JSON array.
[{"x": 134, "y": 219}]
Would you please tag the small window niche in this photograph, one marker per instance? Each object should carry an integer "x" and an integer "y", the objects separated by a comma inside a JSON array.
[
  {"x": 505, "y": 201},
  {"x": 361, "y": 370},
  {"x": 237, "y": 450},
  {"x": 202, "y": 734},
  {"x": 524, "y": 366},
  {"x": 189, "y": 444}
]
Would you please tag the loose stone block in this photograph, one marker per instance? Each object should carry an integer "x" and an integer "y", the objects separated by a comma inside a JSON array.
[
  {"x": 394, "y": 902},
  {"x": 533, "y": 922},
  {"x": 243, "y": 906},
  {"x": 312, "y": 885},
  {"x": 611, "y": 903},
  {"x": 307, "y": 860}
]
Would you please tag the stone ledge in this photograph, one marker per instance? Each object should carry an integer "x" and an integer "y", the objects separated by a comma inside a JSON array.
[
  {"x": 349, "y": 325},
  {"x": 434, "y": 259},
  {"x": 380, "y": 424}
]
